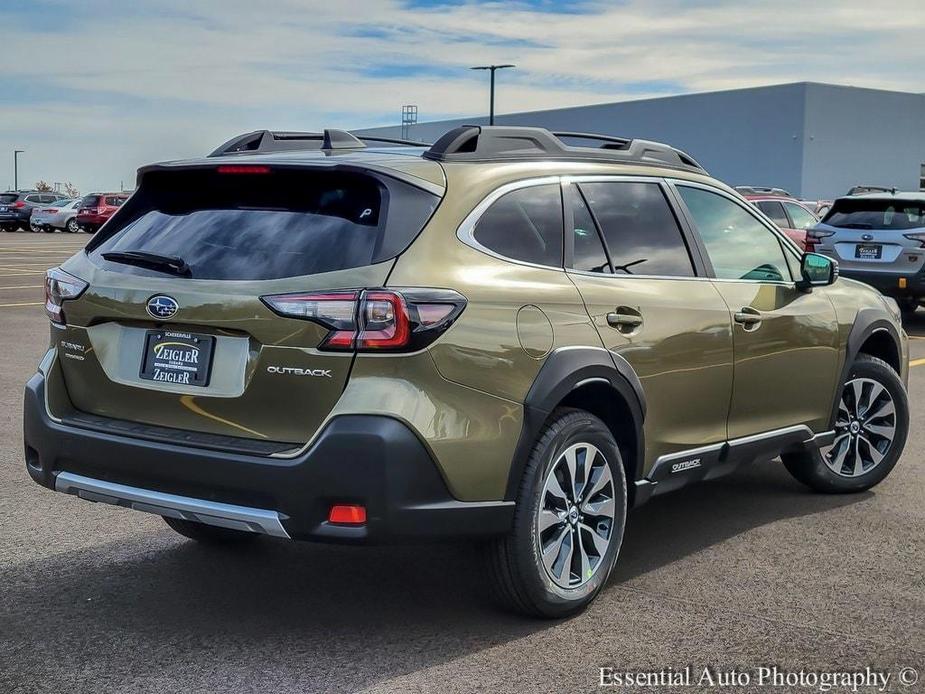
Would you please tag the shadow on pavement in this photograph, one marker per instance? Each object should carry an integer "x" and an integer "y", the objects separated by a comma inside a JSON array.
[{"x": 314, "y": 617}]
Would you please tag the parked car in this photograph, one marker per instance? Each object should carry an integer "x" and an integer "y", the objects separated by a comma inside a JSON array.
[
  {"x": 498, "y": 336},
  {"x": 792, "y": 216},
  {"x": 863, "y": 190},
  {"x": 762, "y": 190},
  {"x": 820, "y": 208},
  {"x": 879, "y": 239},
  {"x": 95, "y": 209},
  {"x": 59, "y": 215},
  {"x": 16, "y": 207}
]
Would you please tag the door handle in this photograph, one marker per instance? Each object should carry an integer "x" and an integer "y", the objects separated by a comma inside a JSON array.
[
  {"x": 624, "y": 318},
  {"x": 748, "y": 317}
]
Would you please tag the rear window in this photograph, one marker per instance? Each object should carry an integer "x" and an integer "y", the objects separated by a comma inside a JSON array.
[
  {"x": 286, "y": 223},
  {"x": 877, "y": 214},
  {"x": 90, "y": 201},
  {"x": 8, "y": 197}
]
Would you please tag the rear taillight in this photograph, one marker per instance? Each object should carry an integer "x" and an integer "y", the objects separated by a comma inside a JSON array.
[
  {"x": 51, "y": 210},
  {"x": 917, "y": 236},
  {"x": 374, "y": 320},
  {"x": 244, "y": 169},
  {"x": 814, "y": 236},
  {"x": 59, "y": 287},
  {"x": 19, "y": 204}
]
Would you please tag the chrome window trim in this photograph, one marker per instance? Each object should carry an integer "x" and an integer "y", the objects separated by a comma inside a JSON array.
[{"x": 466, "y": 230}]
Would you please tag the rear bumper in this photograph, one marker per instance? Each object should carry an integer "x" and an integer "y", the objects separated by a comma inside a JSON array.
[
  {"x": 371, "y": 460},
  {"x": 888, "y": 282},
  {"x": 15, "y": 217}
]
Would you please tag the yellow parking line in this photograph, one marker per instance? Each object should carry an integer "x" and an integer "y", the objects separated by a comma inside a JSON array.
[
  {"x": 917, "y": 362},
  {"x": 32, "y": 303}
]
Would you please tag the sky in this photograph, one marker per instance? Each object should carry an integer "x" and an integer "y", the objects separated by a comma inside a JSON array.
[{"x": 91, "y": 90}]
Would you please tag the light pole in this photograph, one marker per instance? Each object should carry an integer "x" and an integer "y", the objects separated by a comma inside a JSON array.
[
  {"x": 491, "y": 110},
  {"x": 16, "y": 153}
]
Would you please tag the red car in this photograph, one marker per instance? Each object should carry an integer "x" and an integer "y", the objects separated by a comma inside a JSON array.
[
  {"x": 792, "y": 216},
  {"x": 96, "y": 208}
]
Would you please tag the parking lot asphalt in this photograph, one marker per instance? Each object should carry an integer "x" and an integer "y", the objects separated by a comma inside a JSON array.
[{"x": 746, "y": 571}]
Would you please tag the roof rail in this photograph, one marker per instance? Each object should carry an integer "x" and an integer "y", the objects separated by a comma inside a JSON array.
[
  {"x": 261, "y": 141},
  {"x": 501, "y": 142}
]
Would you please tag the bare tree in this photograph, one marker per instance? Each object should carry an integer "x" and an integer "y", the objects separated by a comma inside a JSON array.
[
  {"x": 71, "y": 190},
  {"x": 43, "y": 187}
]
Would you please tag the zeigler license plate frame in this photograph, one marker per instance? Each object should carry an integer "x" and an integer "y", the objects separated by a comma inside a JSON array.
[{"x": 177, "y": 358}]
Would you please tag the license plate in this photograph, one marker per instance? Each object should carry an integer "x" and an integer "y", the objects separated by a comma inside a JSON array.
[
  {"x": 3, "y": 208},
  {"x": 868, "y": 252},
  {"x": 176, "y": 357}
]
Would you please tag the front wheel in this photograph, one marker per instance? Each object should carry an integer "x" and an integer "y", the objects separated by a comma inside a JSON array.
[
  {"x": 870, "y": 432},
  {"x": 568, "y": 522},
  {"x": 210, "y": 534}
]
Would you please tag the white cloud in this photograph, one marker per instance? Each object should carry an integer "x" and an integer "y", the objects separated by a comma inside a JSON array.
[{"x": 149, "y": 80}]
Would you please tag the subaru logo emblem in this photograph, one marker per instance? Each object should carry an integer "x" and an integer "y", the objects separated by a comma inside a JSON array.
[
  {"x": 162, "y": 307},
  {"x": 868, "y": 237}
]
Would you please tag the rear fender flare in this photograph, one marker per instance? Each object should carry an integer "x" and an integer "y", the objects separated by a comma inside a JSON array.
[{"x": 565, "y": 370}]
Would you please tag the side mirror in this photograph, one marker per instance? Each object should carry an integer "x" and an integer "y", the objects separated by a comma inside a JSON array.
[{"x": 817, "y": 270}]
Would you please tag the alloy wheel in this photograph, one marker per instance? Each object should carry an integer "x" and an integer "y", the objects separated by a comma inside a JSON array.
[
  {"x": 576, "y": 515},
  {"x": 864, "y": 429}
]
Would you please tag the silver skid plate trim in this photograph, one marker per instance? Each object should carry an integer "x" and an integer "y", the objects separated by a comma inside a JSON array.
[{"x": 256, "y": 520}]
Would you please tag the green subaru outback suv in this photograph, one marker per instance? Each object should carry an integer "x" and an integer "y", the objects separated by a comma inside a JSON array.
[{"x": 502, "y": 335}]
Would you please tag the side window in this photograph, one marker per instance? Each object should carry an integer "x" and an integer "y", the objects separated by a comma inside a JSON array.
[
  {"x": 525, "y": 225},
  {"x": 640, "y": 230},
  {"x": 589, "y": 251},
  {"x": 775, "y": 211},
  {"x": 801, "y": 218},
  {"x": 739, "y": 245}
]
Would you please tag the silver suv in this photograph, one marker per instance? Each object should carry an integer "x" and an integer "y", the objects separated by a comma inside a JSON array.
[{"x": 878, "y": 239}]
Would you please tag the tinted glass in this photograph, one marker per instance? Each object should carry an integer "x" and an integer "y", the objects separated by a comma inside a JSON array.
[
  {"x": 8, "y": 197},
  {"x": 525, "y": 225},
  {"x": 877, "y": 214},
  {"x": 738, "y": 244},
  {"x": 775, "y": 211},
  {"x": 589, "y": 252},
  {"x": 642, "y": 235},
  {"x": 801, "y": 218},
  {"x": 253, "y": 227},
  {"x": 90, "y": 201}
]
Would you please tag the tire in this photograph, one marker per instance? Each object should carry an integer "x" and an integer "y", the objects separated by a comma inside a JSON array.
[
  {"x": 48, "y": 229},
  {"x": 34, "y": 228},
  {"x": 872, "y": 444},
  {"x": 210, "y": 534},
  {"x": 8, "y": 229},
  {"x": 72, "y": 226},
  {"x": 518, "y": 576}
]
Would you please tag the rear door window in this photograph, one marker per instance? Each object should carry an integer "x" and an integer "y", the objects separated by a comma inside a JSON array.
[
  {"x": 525, "y": 225},
  {"x": 799, "y": 216},
  {"x": 774, "y": 210},
  {"x": 589, "y": 254},
  {"x": 640, "y": 230},
  {"x": 284, "y": 223}
]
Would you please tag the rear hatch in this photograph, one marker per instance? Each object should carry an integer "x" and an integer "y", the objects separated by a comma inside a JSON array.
[
  {"x": 875, "y": 234},
  {"x": 177, "y": 328}
]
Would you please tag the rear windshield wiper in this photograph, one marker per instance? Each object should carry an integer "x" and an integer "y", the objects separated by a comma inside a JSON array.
[{"x": 164, "y": 263}]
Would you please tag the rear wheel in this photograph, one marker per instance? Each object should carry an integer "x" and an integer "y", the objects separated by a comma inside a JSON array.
[
  {"x": 568, "y": 522},
  {"x": 870, "y": 433},
  {"x": 48, "y": 229},
  {"x": 72, "y": 226},
  {"x": 209, "y": 534},
  {"x": 8, "y": 228}
]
